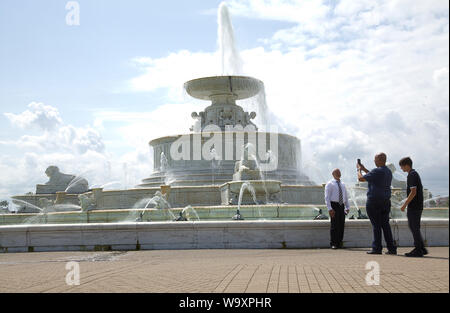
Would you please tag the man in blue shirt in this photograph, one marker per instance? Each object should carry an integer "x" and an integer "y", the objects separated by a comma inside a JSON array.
[{"x": 378, "y": 204}]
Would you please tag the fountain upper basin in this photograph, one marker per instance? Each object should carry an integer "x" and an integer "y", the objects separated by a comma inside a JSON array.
[{"x": 238, "y": 87}]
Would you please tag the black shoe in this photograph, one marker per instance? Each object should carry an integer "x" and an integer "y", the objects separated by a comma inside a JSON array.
[
  {"x": 414, "y": 254},
  {"x": 424, "y": 251},
  {"x": 393, "y": 252},
  {"x": 373, "y": 252}
]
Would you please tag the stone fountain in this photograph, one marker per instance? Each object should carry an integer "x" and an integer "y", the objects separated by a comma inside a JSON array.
[
  {"x": 227, "y": 119},
  {"x": 260, "y": 170}
]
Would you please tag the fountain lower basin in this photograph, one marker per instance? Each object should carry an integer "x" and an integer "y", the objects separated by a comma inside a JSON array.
[
  {"x": 205, "y": 213},
  {"x": 203, "y": 235}
]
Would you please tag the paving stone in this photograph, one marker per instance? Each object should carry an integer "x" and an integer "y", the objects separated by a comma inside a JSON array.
[{"x": 225, "y": 271}]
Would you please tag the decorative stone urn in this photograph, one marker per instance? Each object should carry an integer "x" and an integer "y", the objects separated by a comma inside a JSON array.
[
  {"x": 165, "y": 191},
  {"x": 255, "y": 190}
]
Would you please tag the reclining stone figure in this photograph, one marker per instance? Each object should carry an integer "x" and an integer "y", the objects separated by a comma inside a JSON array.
[{"x": 62, "y": 182}]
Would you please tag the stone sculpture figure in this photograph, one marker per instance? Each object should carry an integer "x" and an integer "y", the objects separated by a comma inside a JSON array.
[
  {"x": 56, "y": 177},
  {"x": 62, "y": 182},
  {"x": 87, "y": 203},
  {"x": 246, "y": 168},
  {"x": 201, "y": 119},
  {"x": 226, "y": 118},
  {"x": 45, "y": 204},
  {"x": 248, "y": 119}
]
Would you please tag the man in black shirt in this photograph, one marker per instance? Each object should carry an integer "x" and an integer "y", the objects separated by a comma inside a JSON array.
[{"x": 414, "y": 202}]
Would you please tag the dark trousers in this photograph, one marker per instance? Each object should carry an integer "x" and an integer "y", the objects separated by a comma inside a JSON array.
[
  {"x": 378, "y": 212},
  {"x": 337, "y": 224},
  {"x": 414, "y": 225}
]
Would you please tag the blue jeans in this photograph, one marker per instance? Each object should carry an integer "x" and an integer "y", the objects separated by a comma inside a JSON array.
[{"x": 378, "y": 211}]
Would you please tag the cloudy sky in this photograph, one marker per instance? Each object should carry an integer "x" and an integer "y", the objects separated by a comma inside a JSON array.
[{"x": 349, "y": 78}]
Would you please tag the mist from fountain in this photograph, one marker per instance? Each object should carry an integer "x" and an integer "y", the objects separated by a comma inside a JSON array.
[
  {"x": 125, "y": 175},
  {"x": 313, "y": 172}
]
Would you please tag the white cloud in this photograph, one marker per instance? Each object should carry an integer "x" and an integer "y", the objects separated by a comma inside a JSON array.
[
  {"x": 75, "y": 150},
  {"x": 43, "y": 116},
  {"x": 350, "y": 81},
  {"x": 172, "y": 71}
]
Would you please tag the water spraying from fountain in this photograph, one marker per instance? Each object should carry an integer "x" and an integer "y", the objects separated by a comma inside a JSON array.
[
  {"x": 165, "y": 168},
  {"x": 352, "y": 196},
  {"x": 232, "y": 64},
  {"x": 436, "y": 202},
  {"x": 252, "y": 155},
  {"x": 26, "y": 205},
  {"x": 258, "y": 104},
  {"x": 164, "y": 164},
  {"x": 320, "y": 215},
  {"x": 231, "y": 60},
  {"x": 74, "y": 183},
  {"x": 245, "y": 186},
  {"x": 158, "y": 201},
  {"x": 107, "y": 186},
  {"x": 185, "y": 215},
  {"x": 216, "y": 163}
]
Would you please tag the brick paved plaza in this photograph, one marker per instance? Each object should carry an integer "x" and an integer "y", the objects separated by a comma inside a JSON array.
[{"x": 225, "y": 271}]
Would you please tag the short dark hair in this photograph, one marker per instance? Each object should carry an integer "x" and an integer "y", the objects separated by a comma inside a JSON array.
[{"x": 405, "y": 161}]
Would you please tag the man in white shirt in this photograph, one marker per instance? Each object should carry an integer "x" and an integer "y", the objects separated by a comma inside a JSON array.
[{"x": 336, "y": 199}]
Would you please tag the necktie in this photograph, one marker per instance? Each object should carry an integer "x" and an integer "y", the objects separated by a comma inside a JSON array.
[{"x": 341, "y": 198}]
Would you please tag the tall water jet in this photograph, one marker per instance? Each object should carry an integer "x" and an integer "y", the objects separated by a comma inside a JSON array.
[
  {"x": 232, "y": 64},
  {"x": 230, "y": 58}
]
